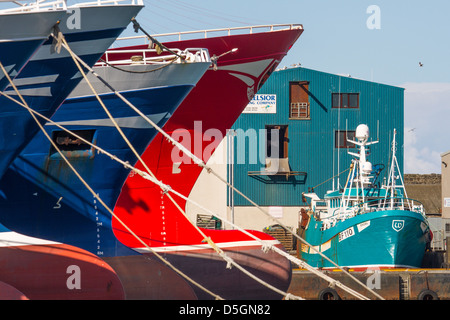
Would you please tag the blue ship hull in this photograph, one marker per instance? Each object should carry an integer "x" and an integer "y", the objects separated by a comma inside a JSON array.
[
  {"x": 41, "y": 189},
  {"x": 50, "y": 76},
  {"x": 377, "y": 239},
  {"x": 15, "y": 55},
  {"x": 44, "y": 84},
  {"x": 22, "y": 32}
]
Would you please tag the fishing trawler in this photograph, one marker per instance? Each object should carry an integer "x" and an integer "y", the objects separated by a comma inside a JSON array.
[
  {"x": 41, "y": 189},
  {"x": 242, "y": 64},
  {"x": 366, "y": 225}
]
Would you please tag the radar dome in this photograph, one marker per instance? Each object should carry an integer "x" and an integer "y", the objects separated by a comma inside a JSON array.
[{"x": 362, "y": 132}]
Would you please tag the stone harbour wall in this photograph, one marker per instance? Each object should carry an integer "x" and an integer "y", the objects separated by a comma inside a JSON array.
[{"x": 432, "y": 178}]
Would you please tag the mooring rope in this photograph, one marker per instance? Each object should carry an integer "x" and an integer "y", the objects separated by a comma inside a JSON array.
[
  {"x": 216, "y": 248},
  {"x": 151, "y": 177},
  {"x": 208, "y": 169},
  {"x": 208, "y": 240},
  {"x": 32, "y": 112}
]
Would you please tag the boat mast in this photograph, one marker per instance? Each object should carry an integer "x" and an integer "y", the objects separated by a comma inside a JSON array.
[
  {"x": 392, "y": 177},
  {"x": 362, "y": 167}
]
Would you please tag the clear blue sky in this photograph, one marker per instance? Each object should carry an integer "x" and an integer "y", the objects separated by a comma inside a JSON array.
[{"x": 337, "y": 40}]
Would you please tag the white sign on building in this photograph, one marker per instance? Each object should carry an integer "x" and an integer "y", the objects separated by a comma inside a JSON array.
[
  {"x": 262, "y": 103},
  {"x": 447, "y": 202},
  {"x": 276, "y": 212}
]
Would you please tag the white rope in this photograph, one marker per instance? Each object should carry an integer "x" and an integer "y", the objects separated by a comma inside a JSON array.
[
  {"x": 163, "y": 187},
  {"x": 154, "y": 125},
  {"x": 293, "y": 233},
  {"x": 166, "y": 189},
  {"x": 145, "y": 175},
  {"x": 210, "y": 170},
  {"x": 203, "y": 165},
  {"x": 32, "y": 112},
  {"x": 229, "y": 260},
  {"x": 265, "y": 245}
]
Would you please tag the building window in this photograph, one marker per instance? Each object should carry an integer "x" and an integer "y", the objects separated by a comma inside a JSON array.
[
  {"x": 299, "y": 100},
  {"x": 277, "y": 149},
  {"x": 345, "y": 100},
  {"x": 277, "y": 141},
  {"x": 340, "y": 139}
]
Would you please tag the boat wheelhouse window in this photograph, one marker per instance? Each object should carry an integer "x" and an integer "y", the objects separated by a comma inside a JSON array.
[
  {"x": 277, "y": 141},
  {"x": 345, "y": 100},
  {"x": 299, "y": 100},
  {"x": 70, "y": 145},
  {"x": 340, "y": 139}
]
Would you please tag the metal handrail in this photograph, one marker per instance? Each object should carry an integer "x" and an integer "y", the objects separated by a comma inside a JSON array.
[
  {"x": 386, "y": 204},
  {"x": 251, "y": 29},
  {"x": 37, "y": 6},
  {"x": 149, "y": 56},
  {"x": 62, "y": 5},
  {"x": 360, "y": 208},
  {"x": 108, "y": 2}
]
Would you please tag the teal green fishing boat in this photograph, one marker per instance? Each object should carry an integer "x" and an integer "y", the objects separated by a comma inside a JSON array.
[{"x": 365, "y": 225}]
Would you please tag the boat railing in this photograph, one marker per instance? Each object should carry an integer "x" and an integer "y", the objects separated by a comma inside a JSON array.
[
  {"x": 380, "y": 204},
  {"x": 222, "y": 31},
  {"x": 109, "y": 2},
  {"x": 391, "y": 203},
  {"x": 37, "y": 6},
  {"x": 150, "y": 56}
]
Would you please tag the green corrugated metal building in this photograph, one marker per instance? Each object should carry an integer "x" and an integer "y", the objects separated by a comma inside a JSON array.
[{"x": 308, "y": 114}]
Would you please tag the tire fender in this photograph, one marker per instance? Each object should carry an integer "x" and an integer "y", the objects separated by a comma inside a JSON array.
[
  {"x": 427, "y": 295},
  {"x": 329, "y": 294}
]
